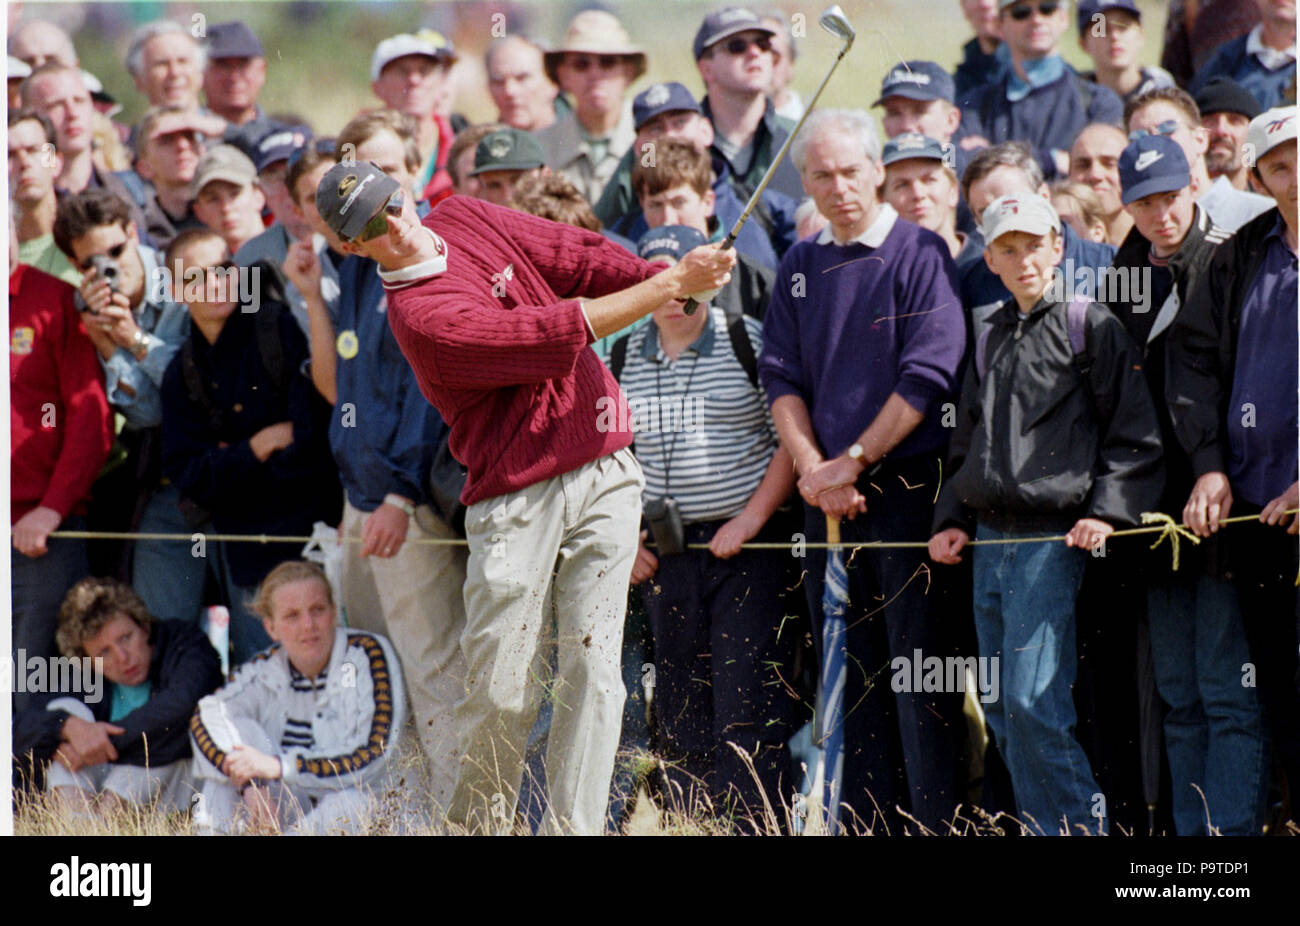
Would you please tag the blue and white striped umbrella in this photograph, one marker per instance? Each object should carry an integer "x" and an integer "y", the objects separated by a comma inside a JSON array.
[{"x": 835, "y": 602}]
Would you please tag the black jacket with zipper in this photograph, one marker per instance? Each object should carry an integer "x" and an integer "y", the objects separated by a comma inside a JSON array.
[
  {"x": 1149, "y": 327},
  {"x": 1202, "y": 347},
  {"x": 1045, "y": 438}
]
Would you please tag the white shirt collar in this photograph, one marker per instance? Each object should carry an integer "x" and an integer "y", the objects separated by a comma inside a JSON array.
[
  {"x": 1271, "y": 58},
  {"x": 875, "y": 234},
  {"x": 428, "y": 268}
]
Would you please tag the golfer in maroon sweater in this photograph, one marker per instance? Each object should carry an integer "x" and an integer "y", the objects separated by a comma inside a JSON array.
[{"x": 495, "y": 311}]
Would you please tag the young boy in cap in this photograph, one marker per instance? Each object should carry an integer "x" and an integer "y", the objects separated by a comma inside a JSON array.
[
  {"x": 1232, "y": 395},
  {"x": 502, "y": 159},
  {"x": 1055, "y": 434},
  {"x": 1110, "y": 33},
  {"x": 227, "y": 197},
  {"x": 709, "y": 450},
  {"x": 1214, "y": 730}
]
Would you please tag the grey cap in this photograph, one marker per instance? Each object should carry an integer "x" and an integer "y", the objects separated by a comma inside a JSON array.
[{"x": 350, "y": 194}]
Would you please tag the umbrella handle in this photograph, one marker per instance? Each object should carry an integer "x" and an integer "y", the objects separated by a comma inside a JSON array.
[{"x": 832, "y": 529}]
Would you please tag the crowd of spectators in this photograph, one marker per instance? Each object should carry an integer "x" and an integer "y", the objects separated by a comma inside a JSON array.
[{"x": 1043, "y": 304}]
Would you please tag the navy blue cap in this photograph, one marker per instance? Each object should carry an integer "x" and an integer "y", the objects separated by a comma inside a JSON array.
[
  {"x": 233, "y": 40},
  {"x": 669, "y": 241},
  {"x": 279, "y": 144},
  {"x": 661, "y": 98},
  {"x": 1152, "y": 164},
  {"x": 910, "y": 145},
  {"x": 1090, "y": 8},
  {"x": 717, "y": 26},
  {"x": 916, "y": 80},
  {"x": 1222, "y": 94}
]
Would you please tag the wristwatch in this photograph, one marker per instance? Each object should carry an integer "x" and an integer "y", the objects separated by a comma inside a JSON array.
[
  {"x": 400, "y": 504},
  {"x": 859, "y": 455},
  {"x": 140, "y": 344}
]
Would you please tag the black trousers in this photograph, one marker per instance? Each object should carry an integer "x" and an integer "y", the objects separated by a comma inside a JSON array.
[
  {"x": 723, "y": 664},
  {"x": 901, "y": 750}
]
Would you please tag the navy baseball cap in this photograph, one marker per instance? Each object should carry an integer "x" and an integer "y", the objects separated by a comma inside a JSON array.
[
  {"x": 233, "y": 40},
  {"x": 350, "y": 194},
  {"x": 1152, "y": 164},
  {"x": 1224, "y": 95},
  {"x": 1090, "y": 8},
  {"x": 917, "y": 80},
  {"x": 717, "y": 26},
  {"x": 279, "y": 144},
  {"x": 910, "y": 145},
  {"x": 507, "y": 149},
  {"x": 661, "y": 98},
  {"x": 669, "y": 241}
]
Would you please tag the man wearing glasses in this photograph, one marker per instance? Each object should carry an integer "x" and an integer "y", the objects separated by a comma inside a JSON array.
[
  {"x": 1041, "y": 99},
  {"x": 1172, "y": 112},
  {"x": 485, "y": 304},
  {"x": 136, "y": 329},
  {"x": 733, "y": 51},
  {"x": 594, "y": 64}
]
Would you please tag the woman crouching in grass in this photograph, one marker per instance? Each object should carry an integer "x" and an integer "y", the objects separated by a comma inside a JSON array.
[{"x": 302, "y": 736}]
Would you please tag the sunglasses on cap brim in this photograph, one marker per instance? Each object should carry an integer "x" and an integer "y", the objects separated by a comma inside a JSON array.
[{"x": 378, "y": 224}]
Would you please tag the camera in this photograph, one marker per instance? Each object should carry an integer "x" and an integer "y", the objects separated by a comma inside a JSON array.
[
  {"x": 665, "y": 520},
  {"x": 108, "y": 270}
]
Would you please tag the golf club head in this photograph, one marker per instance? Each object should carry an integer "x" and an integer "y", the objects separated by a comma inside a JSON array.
[{"x": 837, "y": 24}]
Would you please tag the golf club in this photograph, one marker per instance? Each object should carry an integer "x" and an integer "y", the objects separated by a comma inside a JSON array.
[{"x": 837, "y": 24}]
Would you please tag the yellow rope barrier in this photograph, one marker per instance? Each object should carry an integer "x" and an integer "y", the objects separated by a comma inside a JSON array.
[{"x": 1157, "y": 523}]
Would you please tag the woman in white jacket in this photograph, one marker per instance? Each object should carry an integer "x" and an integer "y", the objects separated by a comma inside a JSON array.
[{"x": 303, "y": 734}]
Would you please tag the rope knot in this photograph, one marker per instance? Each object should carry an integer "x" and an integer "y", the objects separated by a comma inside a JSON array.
[{"x": 1171, "y": 531}]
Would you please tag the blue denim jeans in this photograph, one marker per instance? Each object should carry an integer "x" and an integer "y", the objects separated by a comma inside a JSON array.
[
  {"x": 1214, "y": 731},
  {"x": 166, "y": 573},
  {"x": 1024, "y": 615}
]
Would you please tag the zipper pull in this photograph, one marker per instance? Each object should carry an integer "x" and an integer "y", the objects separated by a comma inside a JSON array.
[{"x": 1020, "y": 327}]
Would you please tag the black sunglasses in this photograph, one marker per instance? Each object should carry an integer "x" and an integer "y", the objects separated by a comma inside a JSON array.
[
  {"x": 738, "y": 44},
  {"x": 1021, "y": 13},
  {"x": 115, "y": 252}
]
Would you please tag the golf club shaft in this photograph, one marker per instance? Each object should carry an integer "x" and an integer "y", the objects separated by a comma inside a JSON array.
[{"x": 691, "y": 304}]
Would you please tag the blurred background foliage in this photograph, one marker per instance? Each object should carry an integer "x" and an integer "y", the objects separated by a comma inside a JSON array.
[{"x": 318, "y": 53}]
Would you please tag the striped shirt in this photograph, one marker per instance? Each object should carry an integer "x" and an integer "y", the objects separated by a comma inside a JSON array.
[{"x": 702, "y": 432}]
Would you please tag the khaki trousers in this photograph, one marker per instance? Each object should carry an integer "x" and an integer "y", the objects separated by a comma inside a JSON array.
[{"x": 560, "y": 550}]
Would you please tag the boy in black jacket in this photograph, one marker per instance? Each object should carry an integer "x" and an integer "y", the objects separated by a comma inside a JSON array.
[
  {"x": 1214, "y": 731},
  {"x": 1056, "y": 434},
  {"x": 244, "y": 432},
  {"x": 127, "y": 741}
]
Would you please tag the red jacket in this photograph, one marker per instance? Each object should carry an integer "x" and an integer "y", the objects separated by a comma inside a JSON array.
[
  {"x": 512, "y": 375},
  {"x": 60, "y": 428}
]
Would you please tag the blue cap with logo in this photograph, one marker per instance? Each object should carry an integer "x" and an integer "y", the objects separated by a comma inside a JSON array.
[
  {"x": 1090, "y": 8},
  {"x": 661, "y": 98},
  {"x": 916, "y": 80},
  {"x": 913, "y": 145},
  {"x": 279, "y": 144},
  {"x": 669, "y": 241},
  {"x": 1152, "y": 164}
]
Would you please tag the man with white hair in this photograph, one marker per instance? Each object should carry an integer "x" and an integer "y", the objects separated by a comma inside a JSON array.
[
  {"x": 37, "y": 41},
  {"x": 873, "y": 293},
  {"x": 167, "y": 63}
]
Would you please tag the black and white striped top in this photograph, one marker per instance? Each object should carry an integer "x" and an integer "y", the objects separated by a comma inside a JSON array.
[{"x": 700, "y": 415}]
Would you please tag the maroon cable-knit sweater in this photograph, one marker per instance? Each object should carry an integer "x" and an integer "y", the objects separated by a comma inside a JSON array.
[{"x": 511, "y": 372}]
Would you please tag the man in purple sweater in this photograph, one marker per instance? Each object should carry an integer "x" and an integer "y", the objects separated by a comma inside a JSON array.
[{"x": 861, "y": 346}]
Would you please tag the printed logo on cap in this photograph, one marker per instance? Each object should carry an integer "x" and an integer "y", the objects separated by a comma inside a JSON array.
[
  {"x": 902, "y": 76},
  {"x": 731, "y": 16},
  {"x": 281, "y": 138},
  {"x": 347, "y": 204},
  {"x": 657, "y": 94},
  {"x": 1146, "y": 159},
  {"x": 908, "y": 142},
  {"x": 499, "y": 147},
  {"x": 346, "y": 184},
  {"x": 1277, "y": 124},
  {"x": 1010, "y": 207}
]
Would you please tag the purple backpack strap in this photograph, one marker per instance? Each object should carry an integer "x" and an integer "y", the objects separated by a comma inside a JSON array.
[{"x": 1076, "y": 315}]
